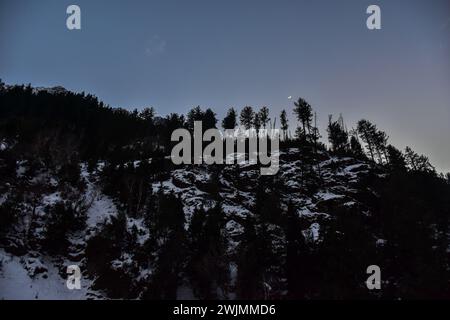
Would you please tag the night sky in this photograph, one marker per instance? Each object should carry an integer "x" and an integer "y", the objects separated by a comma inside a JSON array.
[{"x": 174, "y": 55}]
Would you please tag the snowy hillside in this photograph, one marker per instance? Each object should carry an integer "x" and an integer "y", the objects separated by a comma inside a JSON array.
[
  {"x": 88, "y": 185},
  {"x": 31, "y": 273}
]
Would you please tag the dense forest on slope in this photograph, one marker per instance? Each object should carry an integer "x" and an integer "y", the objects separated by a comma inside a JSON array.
[{"x": 83, "y": 183}]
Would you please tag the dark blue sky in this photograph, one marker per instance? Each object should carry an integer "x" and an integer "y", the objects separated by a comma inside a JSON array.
[{"x": 177, "y": 54}]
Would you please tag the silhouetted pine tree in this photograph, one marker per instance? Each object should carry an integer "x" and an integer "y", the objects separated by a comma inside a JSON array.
[
  {"x": 355, "y": 147},
  {"x": 367, "y": 131},
  {"x": 230, "y": 120},
  {"x": 380, "y": 140},
  {"x": 337, "y": 135},
  {"x": 195, "y": 114},
  {"x": 207, "y": 266},
  {"x": 414, "y": 213},
  {"x": 296, "y": 255},
  {"x": 62, "y": 218},
  {"x": 246, "y": 118},
  {"x": 209, "y": 120},
  {"x": 264, "y": 117},
  {"x": 284, "y": 124},
  {"x": 417, "y": 162},
  {"x": 255, "y": 258},
  {"x": 303, "y": 111},
  {"x": 168, "y": 230},
  {"x": 396, "y": 160}
]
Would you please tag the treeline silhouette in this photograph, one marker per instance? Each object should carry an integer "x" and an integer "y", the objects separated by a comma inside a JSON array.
[
  {"x": 67, "y": 125},
  {"x": 401, "y": 223}
]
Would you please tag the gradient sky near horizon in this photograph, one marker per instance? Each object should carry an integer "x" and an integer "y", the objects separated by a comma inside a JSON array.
[{"x": 176, "y": 54}]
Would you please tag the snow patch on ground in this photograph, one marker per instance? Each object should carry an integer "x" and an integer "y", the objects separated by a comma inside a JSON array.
[
  {"x": 101, "y": 209},
  {"x": 17, "y": 284},
  {"x": 3, "y": 146},
  {"x": 312, "y": 233},
  {"x": 328, "y": 196}
]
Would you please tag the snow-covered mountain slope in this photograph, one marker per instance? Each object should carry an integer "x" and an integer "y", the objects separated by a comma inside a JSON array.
[
  {"x": 237, "y": 192},
  {"x": 28, "y": 270}
]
